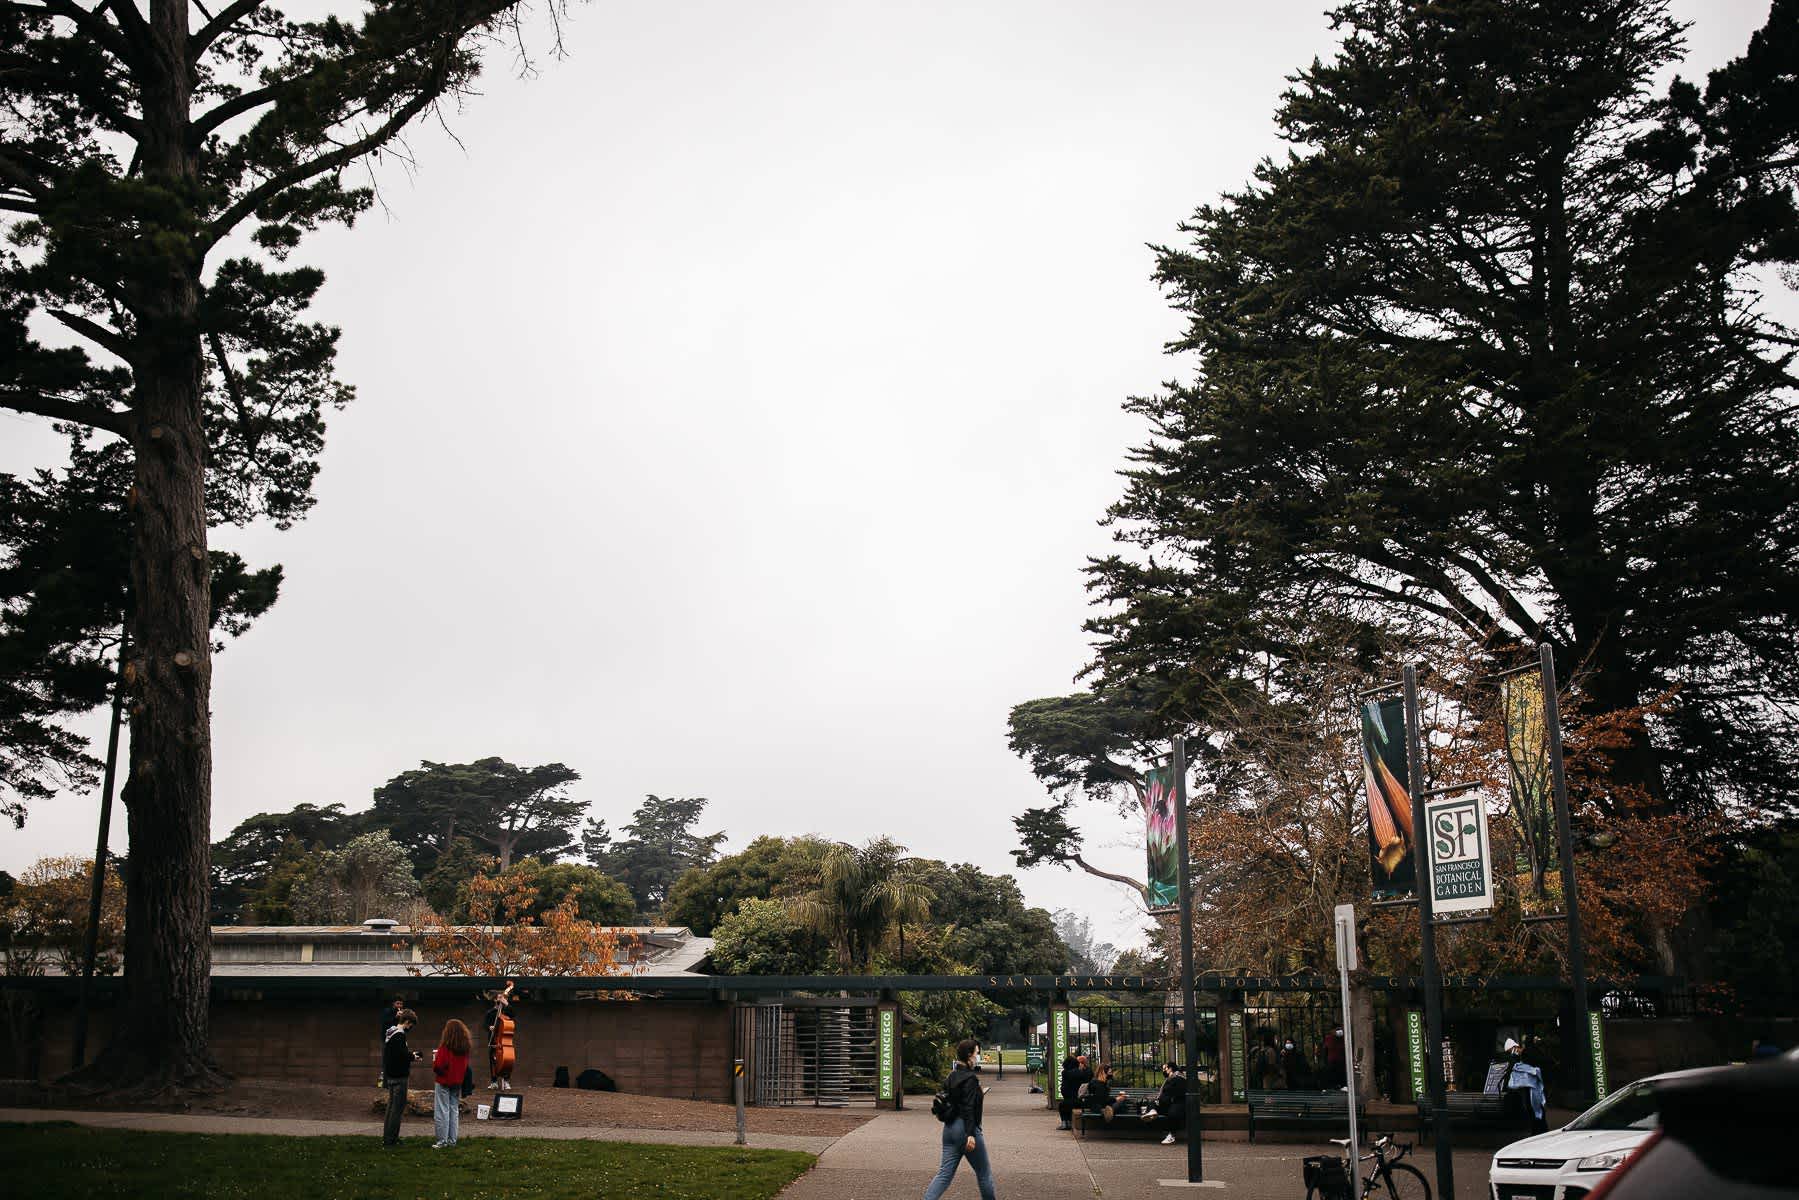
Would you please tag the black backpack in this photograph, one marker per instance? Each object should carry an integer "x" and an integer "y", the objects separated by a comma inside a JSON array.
[{"x": 943, "y": 1105}]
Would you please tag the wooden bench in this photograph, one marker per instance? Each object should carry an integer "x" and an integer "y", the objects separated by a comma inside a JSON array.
[
  {"x": 1303, "y": 1108},
  {"x": 1482, "y": 1110},
  {"x": 1136, "y": 1099}
]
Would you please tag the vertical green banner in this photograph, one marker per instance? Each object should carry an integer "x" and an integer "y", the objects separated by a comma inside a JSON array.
[
  {"x": 1596, "y": 1042},
  {"x": 1239, "y": 1063},
  {"x": 1158, "y": 811},
  {"x": 1414, "y": 1048},
  {"x": 1058, "y": 1049},
  {"x": 889, "y": 1020}
]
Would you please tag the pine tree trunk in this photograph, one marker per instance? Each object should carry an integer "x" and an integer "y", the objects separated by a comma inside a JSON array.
[{"x": 159, "y": 1040}]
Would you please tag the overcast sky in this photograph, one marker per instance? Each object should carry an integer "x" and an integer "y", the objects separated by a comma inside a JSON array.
[{"x": 736, "y": 404}]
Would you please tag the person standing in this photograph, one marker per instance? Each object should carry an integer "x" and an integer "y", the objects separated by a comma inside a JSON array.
[
  {"x": 1295, "y": 1075},
  {"x": 962, "y": 1137},
  {"x": 1336, "y": 1072},
  {"x": 1071, "y": 1084},
  {"x": 450, "y": 1069},
  {"x": 1523, "y": 1075},
  {"x": 390, "y": 1016},
  {"x": 1266, "y": 1065},
  {"x": 501, "y": 1050},
  {"x": 396, "y": 1063}
]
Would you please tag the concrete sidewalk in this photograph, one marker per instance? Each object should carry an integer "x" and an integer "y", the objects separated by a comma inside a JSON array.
[
  {"x": 894, "y": 1156},
  {"x": 413, "y": 1129}
]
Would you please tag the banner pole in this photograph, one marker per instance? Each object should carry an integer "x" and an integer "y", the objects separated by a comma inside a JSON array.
[
  {"x": 97, "y": 888},
  {"x": 1433, "y": 982},
  {"x": 1564, "y": 830},
  {"x": 1189, "y": 1014}
]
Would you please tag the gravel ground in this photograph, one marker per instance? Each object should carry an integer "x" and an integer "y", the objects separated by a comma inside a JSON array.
[{"x": 546, "y": 1106}]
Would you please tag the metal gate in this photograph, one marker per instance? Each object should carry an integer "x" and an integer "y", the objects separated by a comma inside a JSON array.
[
  {"x": 822, "y": 1052},
  {"x": 1135, "y": 1041}
]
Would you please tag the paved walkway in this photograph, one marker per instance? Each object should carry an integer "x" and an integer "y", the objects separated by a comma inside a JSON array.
[
  {"x": 184, "y": 1123},
  {"x": 894, "y": 1156}
]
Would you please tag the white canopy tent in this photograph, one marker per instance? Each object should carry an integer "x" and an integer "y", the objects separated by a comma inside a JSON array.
[{"x": 1076, "y": 1024}]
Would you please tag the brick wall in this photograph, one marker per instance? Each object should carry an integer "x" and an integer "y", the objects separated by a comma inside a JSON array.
[{"x": 650, "y": 1047}]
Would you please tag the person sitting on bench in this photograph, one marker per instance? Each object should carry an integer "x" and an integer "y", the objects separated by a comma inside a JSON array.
[
  {"x": 1097, "y": 1097},
  {"x": 1169, "y": 1109},
  {"x": 1073, "y": 1076}
]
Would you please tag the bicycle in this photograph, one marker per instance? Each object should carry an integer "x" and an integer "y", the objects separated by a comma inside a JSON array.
[{"x": 1327, "y": 1176}]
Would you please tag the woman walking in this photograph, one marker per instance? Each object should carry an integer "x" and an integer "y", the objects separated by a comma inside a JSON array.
[
  {"x": 962, "y": 1132},
  {"x": 449, "y": 1067}
]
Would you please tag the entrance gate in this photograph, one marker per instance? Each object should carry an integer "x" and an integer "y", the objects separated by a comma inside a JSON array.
[{"x": 818, "y": 1051}]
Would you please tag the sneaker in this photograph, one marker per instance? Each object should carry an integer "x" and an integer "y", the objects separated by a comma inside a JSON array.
[
  {"x": 494, "y": 1086},
  {"x": 505, "y": 1085},
  {"x": 1169, "y": 1140},
  {"x": 439, "y": 1145}
]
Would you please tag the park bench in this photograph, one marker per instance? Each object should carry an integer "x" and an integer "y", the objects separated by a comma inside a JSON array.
[
  {"x": 1480, "y": 1110},
  {"x": 1131, "y": 1121},
  {"x": 1303, "y": 1108}
]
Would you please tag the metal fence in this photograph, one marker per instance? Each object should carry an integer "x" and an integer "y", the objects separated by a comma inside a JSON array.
[
  {"x": 1301, "y": 1018},
  {"x": 803, "y": 1051},
  {"x": 1136, "y": 1041}
]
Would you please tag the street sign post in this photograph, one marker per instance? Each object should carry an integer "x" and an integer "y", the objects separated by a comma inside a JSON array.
[{"x": 1346, "y": 962}]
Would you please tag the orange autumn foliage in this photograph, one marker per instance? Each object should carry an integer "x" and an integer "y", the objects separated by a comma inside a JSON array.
[
  {"x": 1278, "y": 838},
  {"x": 518, "y": 943}
]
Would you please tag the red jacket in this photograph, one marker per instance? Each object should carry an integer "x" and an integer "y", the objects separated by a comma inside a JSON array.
[{"x": 449, "y": 1069}]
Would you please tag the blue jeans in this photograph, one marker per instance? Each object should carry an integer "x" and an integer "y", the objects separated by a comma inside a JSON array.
[
  {"x": 955, "y": 1149},
  {"x": 446, "y": 1113}
]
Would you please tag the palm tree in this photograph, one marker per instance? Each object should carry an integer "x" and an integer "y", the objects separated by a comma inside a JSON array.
[{"x": 858, "y": 894}]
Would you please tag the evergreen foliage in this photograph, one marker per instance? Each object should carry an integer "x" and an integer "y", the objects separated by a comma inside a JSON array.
[{"x": 1483, "y": 351}]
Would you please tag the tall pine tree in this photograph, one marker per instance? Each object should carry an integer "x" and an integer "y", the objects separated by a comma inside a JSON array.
[
  {"x": 1485, "y": 350},
  {"x": 137, "y": 141}
]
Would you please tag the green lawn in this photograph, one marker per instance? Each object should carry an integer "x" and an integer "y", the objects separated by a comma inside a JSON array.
[{"x": 69, "y": 1160}]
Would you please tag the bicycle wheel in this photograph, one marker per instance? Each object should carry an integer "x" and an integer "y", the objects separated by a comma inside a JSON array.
[{"x": 1404, "y": 1182}]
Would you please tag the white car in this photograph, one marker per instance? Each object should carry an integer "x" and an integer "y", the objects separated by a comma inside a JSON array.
[{"x": 1567, "y": 1163}]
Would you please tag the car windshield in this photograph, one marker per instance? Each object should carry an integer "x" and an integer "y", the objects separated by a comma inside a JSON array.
[{"x": 1632, "y": 1108}]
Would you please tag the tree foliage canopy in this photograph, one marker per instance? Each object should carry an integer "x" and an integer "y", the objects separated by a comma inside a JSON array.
[
  {"x": 1484, "y": 351},
  {"x": 157, "y": 164},
  {"x": 659, "y": 846}
]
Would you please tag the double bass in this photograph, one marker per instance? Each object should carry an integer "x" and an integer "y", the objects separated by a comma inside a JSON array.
[{"x": 501, "y": 1054}]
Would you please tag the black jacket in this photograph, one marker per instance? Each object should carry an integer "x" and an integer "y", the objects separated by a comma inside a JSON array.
[
  {"x": 396, "y": 1056},
  {"x": 964, "y": 1088},
  {"x": 1173, "y": 1093},
  {"x": 1072, "y": 1079}
]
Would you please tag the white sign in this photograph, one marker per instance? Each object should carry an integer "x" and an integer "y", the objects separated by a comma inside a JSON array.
[
  {"x": 1346, "y": 947},
  {"x": 1460, "y": 856}
]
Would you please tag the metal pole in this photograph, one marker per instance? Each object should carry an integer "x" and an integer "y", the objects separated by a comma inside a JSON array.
[
  {"x": 1433, "y": 983},
  {"x": 97, "y": 891},
  {"x": 1577, "y": 957},
  {"x": 1189, "y": 1015},
  {"x": 1346, "y": 962},
  {"x": 737, "y": 1089}
]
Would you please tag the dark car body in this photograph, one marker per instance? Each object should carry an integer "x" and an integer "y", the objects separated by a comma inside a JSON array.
[{"x": 1726, "y": 1134}]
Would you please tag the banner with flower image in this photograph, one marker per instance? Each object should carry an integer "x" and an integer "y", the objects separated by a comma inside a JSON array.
[
  {"x": 1164, "y": 866},
  {"x": 1389, "y": 801}
]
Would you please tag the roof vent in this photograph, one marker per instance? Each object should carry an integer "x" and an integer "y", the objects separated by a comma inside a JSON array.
[{"x": 380, "y": 924}]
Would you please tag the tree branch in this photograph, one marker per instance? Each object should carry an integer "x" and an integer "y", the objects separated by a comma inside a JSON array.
[
  {"x": 215, "y": 27},
  {"x": 111, "y": 339},
  {"x": 1140, "y": 888},
  {"x": 132, "y": 26},
  {"x": 91, "y": 24},
  {"x": 275, "y": 184},
  {"x": 41, "y": 404},
  {"x": 16, "y": 175}
]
